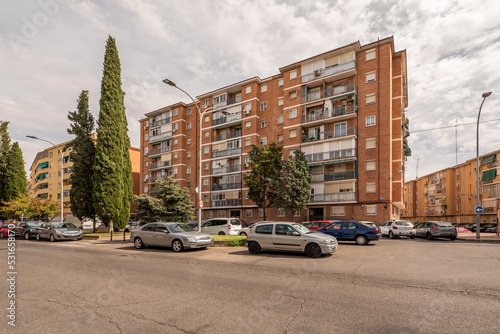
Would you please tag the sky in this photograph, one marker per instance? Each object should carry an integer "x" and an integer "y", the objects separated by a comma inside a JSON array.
[{"x": 51, "y": 50}]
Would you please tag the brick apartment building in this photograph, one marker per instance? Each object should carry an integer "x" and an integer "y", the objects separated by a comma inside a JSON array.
[
  {"x": 45, "y": 174},
  {"x": 344, "y": 108},
  {"x": 450, "y": 194}
]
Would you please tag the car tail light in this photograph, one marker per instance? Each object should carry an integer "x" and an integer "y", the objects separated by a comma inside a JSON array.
[
  {"x": 228, "y": 226},
  {"x": 376, "y": 230},
  {"x": 413, "y": 226},
  {"x": 435, "y": 228},
  {"x": 395, "y": 227}
]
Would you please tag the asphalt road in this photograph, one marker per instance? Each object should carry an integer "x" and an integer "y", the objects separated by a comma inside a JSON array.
[{"x": 393, "y": 286}]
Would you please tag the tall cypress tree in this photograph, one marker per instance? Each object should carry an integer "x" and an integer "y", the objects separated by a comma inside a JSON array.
[
  {"x": 82, "y": 156},
  {"x": 112, "y": 168},
  {"x": 15, "y": 174},
  {"x": 4, "y": 151}
]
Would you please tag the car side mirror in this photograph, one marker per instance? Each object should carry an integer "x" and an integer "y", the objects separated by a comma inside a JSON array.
[{"x": 297, "y": 234}]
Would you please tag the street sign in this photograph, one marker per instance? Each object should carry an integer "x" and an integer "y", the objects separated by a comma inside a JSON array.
[
  {"x": 201, "y": 203},
  {"x": 479, "y": 209}
]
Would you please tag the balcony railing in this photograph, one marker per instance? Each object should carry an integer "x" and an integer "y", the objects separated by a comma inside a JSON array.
[
  {"x": 337, "y": 90},
  {"x": 334, "y": 197},
  {"x": 162, "y": 135},
  {"x": 153, "y": 179},
  {"x": 348, "y": 174},
  {"x": 490, "y": 209},
  {"x": 330, "y": 134},
  {"x": 350, "y": 152},
  {"x": 223, "y": 153},
  {"x": 337, "y": 111},
  {"x": 227, "y": 135},
  {"x": 226, "y": 119},
  {"x": 232, "y": 100},
  {"x": 224, "y": 170},
  {"x": 160, "y": 122},
  {"x": 329, "y": 71},
  {"x": 226, "y": 186},
  {"x": 226, "y": 202},
  {"x": 161, "y": 164},
  {"x": 156, "y": 151}
]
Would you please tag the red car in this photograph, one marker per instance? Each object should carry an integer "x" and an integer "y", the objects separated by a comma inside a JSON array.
[
  {"x": 317, "y": 224},
  {"x": 4, "y": 229}
]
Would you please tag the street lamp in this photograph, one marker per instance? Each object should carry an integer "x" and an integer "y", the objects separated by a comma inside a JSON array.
[
  {"x": 478, "y": 215},
  {"x": 62, "y": 170},
  {"x": 200, "y": 114}
]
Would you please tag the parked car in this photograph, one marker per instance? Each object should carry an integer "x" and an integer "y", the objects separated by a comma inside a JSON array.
[
  {"x": 461, "y": 229},
  {"x": 317, "y": 224},
  {"x": 436, "y": 229},
  {"x": 133, "y": 225},
  {"x": 4, "y": 230},
  {"x": 88, "y": 224},
  {"x": 286, "y": 236},
  {"x": 222, "y": 226},
  {"x": 359, "y": 232},
  {"x": 245, "y": 230},
  {"x": 179, "y": 236},
  {"x": 398, "y": 228},
  {"x": 59, "y": 231},
  {"x": 491, "y": 229},
  {"x": 28, "y": 229}
]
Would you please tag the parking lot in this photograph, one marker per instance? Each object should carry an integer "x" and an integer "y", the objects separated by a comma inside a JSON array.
[{"x": 390, "y": 286}]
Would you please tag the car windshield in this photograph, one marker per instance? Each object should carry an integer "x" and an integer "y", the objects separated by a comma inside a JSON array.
[
  {"x": 63, "y": 225},
  {"x": 180, "y": 228},
  {"x": 404, "y": 223},
  {"x": 34, "y": 224},
  {"x": 302, "y": 229}
]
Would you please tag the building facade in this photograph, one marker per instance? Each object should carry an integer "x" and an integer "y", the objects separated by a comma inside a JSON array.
[
  {"x": 450, "y": 194},
  {"x": 45, "y": 174},
  {"x": 344, "y": 108}
]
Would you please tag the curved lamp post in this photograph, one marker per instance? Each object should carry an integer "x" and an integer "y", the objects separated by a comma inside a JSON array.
[
  {"x": 478, "y": 216},
  {"x": 62, "y": 170}
]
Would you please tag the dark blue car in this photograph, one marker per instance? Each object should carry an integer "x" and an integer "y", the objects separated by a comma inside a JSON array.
[{"x": 360, "y": 232}]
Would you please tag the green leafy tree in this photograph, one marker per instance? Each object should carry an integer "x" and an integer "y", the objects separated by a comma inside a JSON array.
[
  {"x": 293, "y": 184},
  {"x": 15, "y": 175},
  {"x": 4, "y": 151},
  {"x": 36, "y": 209},
  {"x": 112, "y": 177},
  {"x": 266, "y": 165},
  {"x": 170, "y": 203},
  {"x": 82, "y": 156}
]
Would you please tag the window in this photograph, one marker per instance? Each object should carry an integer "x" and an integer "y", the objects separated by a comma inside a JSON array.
[
  {"x": 206, "y": 149},
  {"x": 207, "y": 103},
  {"x": 371, "y": 165},
  {"x": 176, "y": 141},
  {"x": 188, "y": 185},
  {"x": 246, "y": 195},
  {"x": 371, "y": 143},
  {"x": 207, "y": 118},
  {"x": 263, "y": 106},
  {"x": 280, "y": 119},
  {"x": 263, "y": 141},
  {"x": 146, "y": 136},
  {"x": 263, "y": 89},
  {"x": 188, "y": 140},
  {"x": 188, "y": 126},
  {"x": 188, "y": 111},
  {"x": 50, "y": 154},
  {"x": 281, "y": 212},
  {"x": 205, "y": 166},
  {"x": 146, "y": 189},
  {"x": 248, "y": 142},
  {"x": 280, "y": 82},
  {"x": 337, "y": 211},
  {"x": 293, "y": 74},
  {"x": 205, "y": 182},
  {"x": 175, "y": 126},
  {"x": 220, "y": 99},
  {"x": 370, "y": 121},
  {"x": 293, "y": 133},
  {"x": 188, "y": 170},
  {"x": 370, "y": 187},
  {"x": 248, "y": 124},
  {"x": 176, "y": 112},
  {"x": 370, "y": 98},
  {"x": 280, "y": 137},
  {"x": 188, "y": 155},
  {"x": 264, "y": 229},
  {"x": 176, "y": 156},
  {"x": 370, "y": 54},
  {"x": 248, "y": 89},
  {"x": 292, "y": 113},
  {"x": 175, "y": 170},
  {"x": 263, "y": 124},
  {"x": 206, "y": 134},
  {"x": 371, "y": 209},
  {"x": 370, "y": 77},
  {"x": 205, "y": 199},
  {"x": 50, "y": 175},
  {"x": 248, "y": 106},
  {"x": 292, "y": 95},
  {"x": 280, "y": 101}
]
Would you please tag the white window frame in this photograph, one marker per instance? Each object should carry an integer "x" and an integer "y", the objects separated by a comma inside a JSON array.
[
  {"x": 280, "y": 119},
  {"x": 371, "y": 120},
  {"x": 263, "y": 124},
  {"x": 369, "y": 141},
  {"x": 188, "y": 170},
  {"x": 280, "y": 212},
  {"x": 175, "y": 171},
  {"x": 263, "y": 106},
  {"x": 263, "y": 141},
  {"x": 292, "y": 113},
  {"x": 248, "y": 124},
  {"x": 371, "y": 165},
  {"x": 371, "y": 209},
  {"x": 371, "y": 76},
  {"x": 263, "y": 88},
  {"x": 206, "y": 181},
  {"x": 248, "y": 89},
  {"x": 188, "y": 126},
  {"x": 335, "y": 213},
  {"x": 370, "y": 98},
  {"x": 280, "y": 82},
  {"x": 206, "y": 150},
  {"x": 248, "y": 213},
  {"x": 294, "y": 132},
  {"x": 371, "y": 54},
  {"x": 293, "y": 74},
  {"x": 369, "y": 189},
  {"x": 281, "y": 101}
]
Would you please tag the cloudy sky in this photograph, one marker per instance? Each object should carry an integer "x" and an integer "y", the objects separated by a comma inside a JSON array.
[{"x": 52, "y": 49}]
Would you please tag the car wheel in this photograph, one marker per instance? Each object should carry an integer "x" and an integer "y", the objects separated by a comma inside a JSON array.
[
  {"x": 361, "y": 240},
  {"x": 313, "y": 250},
  {"x": 222, "y": 233},
  {"x": 38, "y": 237},
  {"x": 254, "y": 248},
  {"x": 429, "y": 236},
  {"x": 391, "y": 235},
  {"x": 26, "y": 236},
  {"x": 52, "y": 238},
  {"x": 453, "y": 238},
  {"x": 243, "y": 234},
  {"x": 138, "y": 243},
  {"x": 177, "y": 246},
  {"x": 412, "y": 237}
]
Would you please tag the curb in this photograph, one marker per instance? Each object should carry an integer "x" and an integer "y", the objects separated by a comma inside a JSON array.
[{"x": 490, "y": 241}]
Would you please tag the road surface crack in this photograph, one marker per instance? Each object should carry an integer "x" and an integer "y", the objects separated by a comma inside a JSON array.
[{"x": 285, "y": 331}]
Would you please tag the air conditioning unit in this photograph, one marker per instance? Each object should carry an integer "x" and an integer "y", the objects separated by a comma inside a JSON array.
[
  {"x": 246, "y": 165},
  {"x": 146, "y": 127},
  {"x": 246, "y": 112},
  {"x": 174, "y": 130},
  {"x": 350, "y": 98},
  {"x": 317, "y": 72}
]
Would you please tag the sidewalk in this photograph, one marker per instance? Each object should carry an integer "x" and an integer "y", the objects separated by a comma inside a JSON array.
[{"x": 484, "y": 237}]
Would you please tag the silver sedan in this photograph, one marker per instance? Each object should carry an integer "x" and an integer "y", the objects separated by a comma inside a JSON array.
[{"x": 179, "y": 236}]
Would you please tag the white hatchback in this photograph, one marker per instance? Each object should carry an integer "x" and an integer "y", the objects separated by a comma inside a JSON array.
[
  {"x": 221, "y": 226},
  {"x": 397, "y": 228}
]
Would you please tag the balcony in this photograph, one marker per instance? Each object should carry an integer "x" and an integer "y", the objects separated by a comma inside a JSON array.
[
  {"x": 347, "y": 153},
  {"x": 227, "y": 135},
  {"x": 348, "y": 174},
  {"x": 490, "y": 210},
  {"x": 337, "y": 111},
  {"x": 232, "y": 100},
  {"x": 224, "y": 170},
  {"x": 226, "y": 186},
  {"x": 334, "y": 197},
  {"x": 153, "y": 179},
  {"x": 160, "y": 136},
  {"x": 337, "y": 90},
  {"x": 223, "y": 153},
  {"x": 329, "y": 134},
  {"x": 157, "y": 151},
  {"x": 226, "y": 202},
  {"x": 329, "y": 71},
  {"x": 160, "y": 122},
  {"x": 226, "y": 119},
  {"x": 160, "y": 164}
]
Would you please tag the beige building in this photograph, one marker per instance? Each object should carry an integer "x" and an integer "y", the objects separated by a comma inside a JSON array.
[{"x": 450, "y": 194}]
